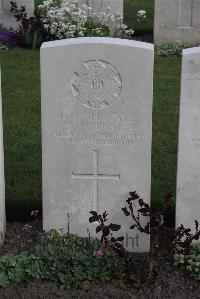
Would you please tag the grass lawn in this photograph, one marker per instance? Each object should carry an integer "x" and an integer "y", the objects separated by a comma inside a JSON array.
[
  {"x": 131, "y": 8},
  {"x": 21, "y": 104}
]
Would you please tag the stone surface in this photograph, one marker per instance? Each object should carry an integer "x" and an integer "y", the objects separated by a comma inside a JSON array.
[
  {"x": 188, "y": 175},
  {"x": 177, "y": 20},
  {"x": 100, "y": 6},
  {"x": 7, "y": 18},
  {"x": 2, "y": 182},
  {"x": 96, "y": 131}
]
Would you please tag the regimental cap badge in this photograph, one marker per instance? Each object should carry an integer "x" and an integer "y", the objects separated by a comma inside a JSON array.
[{"x": 97, "y": 85}]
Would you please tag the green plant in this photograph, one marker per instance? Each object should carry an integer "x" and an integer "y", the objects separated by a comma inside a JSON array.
[
  {"x": 131, "y": 8},
  {"x": 170, "y": 49},
  {"x": 65, "y": 260},
  {"x": 69, "y": 19},
  {"x": 165, "y": 240},
  {"x": 190, "y": 261},
  {"x": 31, "y": 32}
]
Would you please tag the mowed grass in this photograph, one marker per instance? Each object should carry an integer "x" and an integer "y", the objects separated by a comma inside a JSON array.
[
  {"x": 131, "y": 8},
  {"x": 22, "y": 133},
  {"x": 22, "y": 130},
  {"x": 165, "y": 126}
]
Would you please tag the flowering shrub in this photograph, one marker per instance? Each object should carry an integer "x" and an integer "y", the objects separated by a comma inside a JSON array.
[
  {"x": 165, "y": 240},
  {"x": 8, "y": 39},
  {"x": 67, "y": 19}
]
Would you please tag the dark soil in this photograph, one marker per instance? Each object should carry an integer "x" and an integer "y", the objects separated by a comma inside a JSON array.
[
  {"x": 171, "y": 282},
  {"x": 148, "y": 38}
]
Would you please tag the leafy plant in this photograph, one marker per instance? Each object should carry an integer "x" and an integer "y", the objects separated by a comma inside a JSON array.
[
  {"x": 68, "y": 19},
  {"x": 190, "y": 261},
  {"x": 31, "y": 232},
  {"x": 65, "y": 260},
  {"x": 8, "y": 39},
  {"x": 165, "y": 239},
  {"x": 31, "y": 30},
  {"x": 170, "y": 49}
]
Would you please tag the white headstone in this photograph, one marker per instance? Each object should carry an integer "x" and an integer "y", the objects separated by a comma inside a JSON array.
[
  {"x": 2, "y": 182},
  {"x": 188, "y": 175},
  {"x": 96, "y": 131},
  {"x": 7, "y": 17},
  {"x": 177, "y": 20},
  {"x": 100, "y": 6}
]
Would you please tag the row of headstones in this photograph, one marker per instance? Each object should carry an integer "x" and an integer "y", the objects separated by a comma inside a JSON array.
[
  {"x": 97, "y": 132},
  {"x": 98, "y": 6},
  {"x": 174, "y": 19}
]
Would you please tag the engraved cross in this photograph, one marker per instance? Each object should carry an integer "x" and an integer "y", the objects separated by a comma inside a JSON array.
[{"x": 95, "y": 177}]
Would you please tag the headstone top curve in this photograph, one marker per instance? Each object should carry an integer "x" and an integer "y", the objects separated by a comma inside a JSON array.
[
  {"x": 98, "y": 40},
  {"x": 189, "y": 51}
]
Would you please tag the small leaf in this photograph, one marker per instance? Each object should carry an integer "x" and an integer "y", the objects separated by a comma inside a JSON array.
[
  {"x": 93, "y": 213},
  {"x": 187, "y": 231},
  {"x": 126, "y": 212},
  {"x": 105, "y": 214},
  {"x": 94, "y": 218},
  {"x": 197, "y": 236},
  {"x": 146, "y": 206},
  {"x": 114, "y": 227},
  {"x": 113, "y": 240},
  {"x": 106, "y": 231},
  {"x": 134, "y": 195},
  {"x": 147, "y": 227},
  {"x": 98, "y": 228},
  {"x": 196, "y": 224},
  {"x": 141, "y": 202},
  {"x": 129, "y": 200},
  {"x": 143, "y": 211}
]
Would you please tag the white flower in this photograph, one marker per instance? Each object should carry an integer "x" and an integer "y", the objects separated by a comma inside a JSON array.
[
  {"x": 69, "y": 18},
  {"x": 141, "y": 12}
]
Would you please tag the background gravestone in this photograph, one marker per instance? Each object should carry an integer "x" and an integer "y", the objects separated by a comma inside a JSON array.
[
  {"x": 7, "y": 18},
  {"x": 2, "y": 182},
  {"x": 188, "y": 175},
  {"x": 96, "y": 131},
  {"x": 102, "y": 5},
  {"x": 177, "y": 20}
]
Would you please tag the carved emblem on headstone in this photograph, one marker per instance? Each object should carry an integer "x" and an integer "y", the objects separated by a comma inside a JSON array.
[{"x": 97, "y": 84}]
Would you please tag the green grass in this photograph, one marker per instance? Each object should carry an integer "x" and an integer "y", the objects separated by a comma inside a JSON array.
[
  {"x": 131, "y": 8},
  {"x": 21, "y": 107},
  {"x": 21, "y": 104},
  {"x": 165, "y": 126}
]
